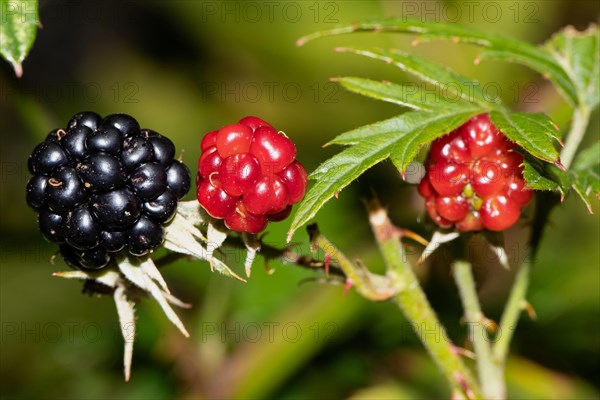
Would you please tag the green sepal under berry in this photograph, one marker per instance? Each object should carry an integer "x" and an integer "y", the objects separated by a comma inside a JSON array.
[
  {"x": 134, "y": 277},
  {"x": 129, "y": 278}
]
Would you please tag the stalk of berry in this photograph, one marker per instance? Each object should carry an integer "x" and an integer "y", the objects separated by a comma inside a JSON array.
[
  {"x": 248, "y": 175},
  {"x": 104, "y": 185},
  {"x": 474, "y": 179}
]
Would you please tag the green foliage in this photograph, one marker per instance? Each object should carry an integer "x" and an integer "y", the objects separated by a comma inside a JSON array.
[
  {"x": 578, "y": 55},
  {"x": 586, "y": 173},
  {"x": 399, "y": 138},
  {"x": 17, "y": 30},
  {"x": 451, "y": 87},
  {"x": 533, "y": 132},
  {"x": 570, "y": 60},
  {"x": 497, "y": 46}
]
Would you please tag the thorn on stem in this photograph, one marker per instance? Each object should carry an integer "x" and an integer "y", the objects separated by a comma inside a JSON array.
[
  {"x": 347, "y": 286},
  {"x": 462, "y": 382},
  {"x": 327, "y": 260},
  {"x": 414, "y": 236},
  {"x": 529, "y": 309},
  {"x": 463, "y": 352},
  {"x": 270, "y": 271}
]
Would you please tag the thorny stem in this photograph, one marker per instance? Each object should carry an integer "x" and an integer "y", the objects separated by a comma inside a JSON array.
[
  {"x": 512, "y": 311},
  {"x": 416, "y": 308},
  {"x": 490, "y": 371},
  {"x": 545, "y": 203},
  {"x": 371, "y": 286}
]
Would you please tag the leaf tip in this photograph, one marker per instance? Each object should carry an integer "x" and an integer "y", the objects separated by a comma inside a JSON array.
[
  {"x": 18, "y": 69},
  {"x": 560, "y": 165}
]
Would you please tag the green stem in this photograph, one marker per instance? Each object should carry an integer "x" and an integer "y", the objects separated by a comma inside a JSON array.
[
  {"x": 416, "y": 308},
  {"x": 512, "y": 311},
  {"x": 371, "y": 286},
  {"x": 490, "y": 371},
  {"x": 545, "y": 203},
  {"x": 581, "y": 117}
]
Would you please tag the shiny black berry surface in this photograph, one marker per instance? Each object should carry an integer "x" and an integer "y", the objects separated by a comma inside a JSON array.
[
  {"x": 104, "y": 185},
  {"x": 178, "y": 178}
]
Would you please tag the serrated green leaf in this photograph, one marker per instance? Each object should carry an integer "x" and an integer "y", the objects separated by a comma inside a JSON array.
[
  {"x": 395, "y": 124},
  {"x": 414, "y": 129},
  {"x": 403, "y": 95},
  {"x": 543, "y": 176},
  {"x": 589, "y": 157},
  {"x": 535, "y": 178},
  {"x": 586, "y": 183},
  {"x": 589, "y": 180},
  {"x": 452, "y": 87},
  {"x": 500, "y": 46},
  {"x": 532, "y": 131},
  {"x": 578, "y": 53},
  {"x": 406, "y": 148},
  {"x": 18, "y": 28},
  {"x": 586, "y": 171}
]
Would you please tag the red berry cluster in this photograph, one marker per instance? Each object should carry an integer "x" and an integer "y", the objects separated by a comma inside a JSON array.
[
  {"x": 474, "y": 179},
  {"x": 248, "y": 175}
]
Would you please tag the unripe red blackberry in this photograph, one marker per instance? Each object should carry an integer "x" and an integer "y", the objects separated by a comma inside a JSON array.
[
  {"x": 474, "y": 179},
  {"x": 248, "y": 175},
  {"x": 103, "y": 185}
]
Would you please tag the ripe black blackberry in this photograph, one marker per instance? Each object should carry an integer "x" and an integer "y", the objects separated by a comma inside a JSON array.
[{"x": 104, "y": 185}]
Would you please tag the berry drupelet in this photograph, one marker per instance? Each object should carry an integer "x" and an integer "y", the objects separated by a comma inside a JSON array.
[
  {"x": 103, "y": 185},
  {"x": 474, "y": 179},
  {"x": 248, "y": 175}
]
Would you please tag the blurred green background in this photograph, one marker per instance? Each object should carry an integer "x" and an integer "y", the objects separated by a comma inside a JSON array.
[{"x": 184, "y": 68}]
